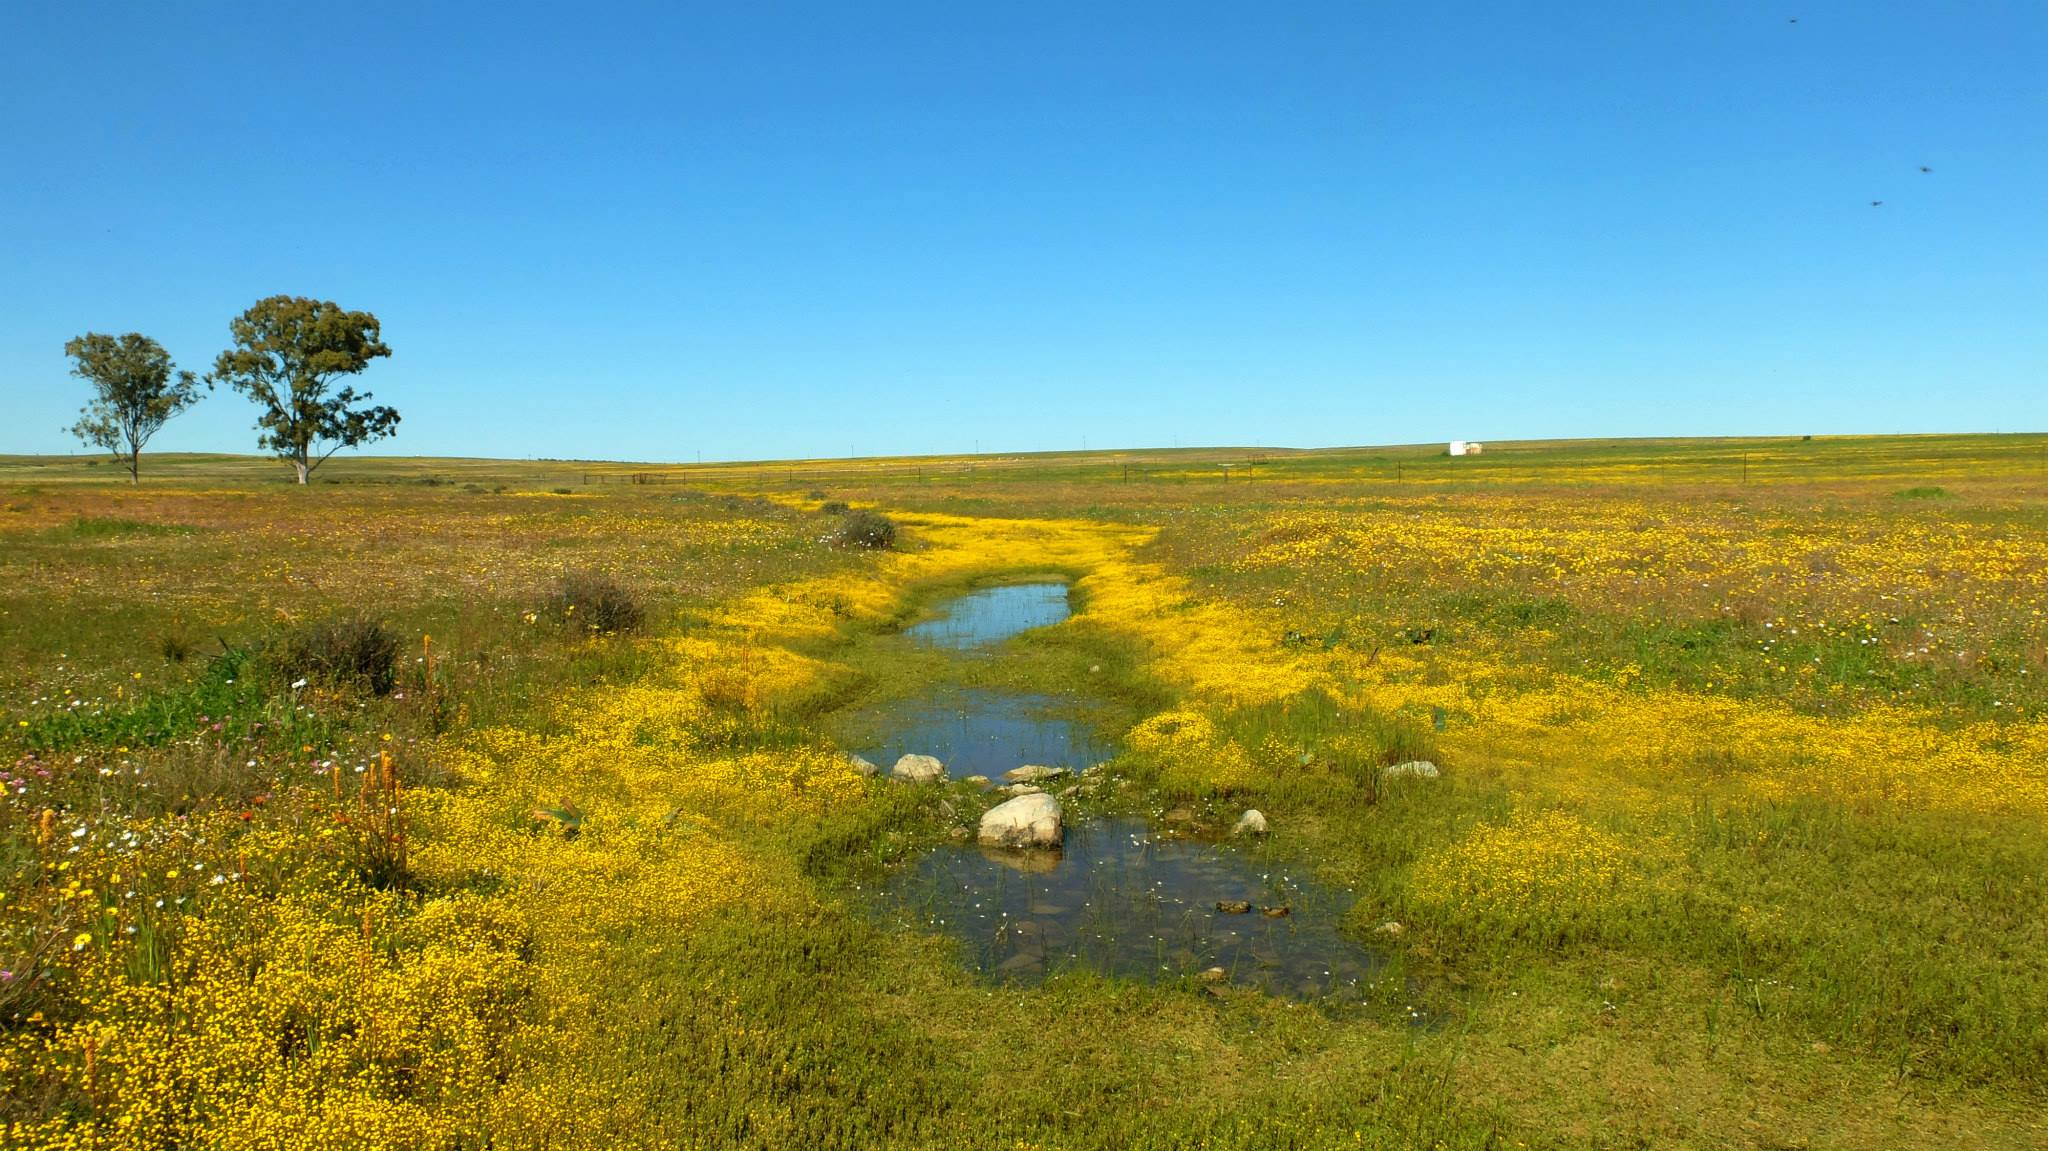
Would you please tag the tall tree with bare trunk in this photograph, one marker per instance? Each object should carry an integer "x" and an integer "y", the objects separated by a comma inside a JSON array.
[
  {"x": 136, "y": 391},
  {"x": 289, "y": 352}
]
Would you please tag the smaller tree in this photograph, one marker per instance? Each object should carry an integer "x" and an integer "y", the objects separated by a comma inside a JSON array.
[
  {"x": 136, "y": 391},
  {"x": 288, "y": 352}
]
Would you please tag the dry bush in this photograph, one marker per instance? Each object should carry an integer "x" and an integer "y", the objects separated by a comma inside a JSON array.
[
  {"x": 597, "y": 602},
  {"x": 349, "y": 649},
  {"x": 867, "y": 529}
]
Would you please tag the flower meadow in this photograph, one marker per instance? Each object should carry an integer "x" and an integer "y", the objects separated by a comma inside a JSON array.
[{"x": 1737, "y": 824}]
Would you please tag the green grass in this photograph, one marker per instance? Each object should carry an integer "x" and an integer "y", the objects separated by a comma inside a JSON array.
[
  {"x": 1802, "y": 971},
  {"x": 88, "y": 528}
]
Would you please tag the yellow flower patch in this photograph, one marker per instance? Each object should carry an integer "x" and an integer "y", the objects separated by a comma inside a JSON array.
[{"x": 1541, "y": 869}]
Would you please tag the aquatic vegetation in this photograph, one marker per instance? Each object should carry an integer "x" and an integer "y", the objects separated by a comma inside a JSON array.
[{"x": 1119, "y": 900}]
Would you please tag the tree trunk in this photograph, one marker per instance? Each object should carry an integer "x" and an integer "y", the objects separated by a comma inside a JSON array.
[
  {"x": 299, "y": 464},
  {"x": 135, "y": 465}
]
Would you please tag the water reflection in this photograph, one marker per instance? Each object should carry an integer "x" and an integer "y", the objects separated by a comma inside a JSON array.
[
  {"x": 1120, "y": 901},
  {"x": 994, "y": 614},
  {"x": 987, "y": 733}
]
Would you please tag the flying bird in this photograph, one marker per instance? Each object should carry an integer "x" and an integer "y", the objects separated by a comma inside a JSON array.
[
  {"x": 1924, "y": 168},
  {"x": 1877, "y": 203}
]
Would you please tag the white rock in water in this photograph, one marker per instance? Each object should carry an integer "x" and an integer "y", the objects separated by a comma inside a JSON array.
[
  {"x": 918, "y": 769},
  {"x": 1416, "y": 768},
  {"x": 1031, "y": 773},
  {"x": 1252, "y": 822},
  {"x": 860, "y": 764},
  {"x": 1026, "y": 821},
  {"x": 976, "y": 780}
]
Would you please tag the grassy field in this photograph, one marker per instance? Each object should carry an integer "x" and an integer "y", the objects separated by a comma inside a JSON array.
[{"x": 1739, "y": 838}]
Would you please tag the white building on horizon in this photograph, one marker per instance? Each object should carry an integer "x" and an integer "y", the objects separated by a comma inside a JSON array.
[{"x": 1467, "y": 447}]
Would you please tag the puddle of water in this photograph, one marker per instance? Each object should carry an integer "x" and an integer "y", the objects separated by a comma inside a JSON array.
[
  {"x": 1119, "y": 901},
  {"x": 988, "y": 733},
  {"x": 994, "y": 614}
]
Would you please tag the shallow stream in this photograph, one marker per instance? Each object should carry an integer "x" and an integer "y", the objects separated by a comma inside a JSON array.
[{"x": 1119, "y": 898}]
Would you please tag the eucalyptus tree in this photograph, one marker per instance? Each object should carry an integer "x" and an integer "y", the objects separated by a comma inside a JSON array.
[
  {"x": 136, "y": 391},
  {"x": 289, "y": 353}
]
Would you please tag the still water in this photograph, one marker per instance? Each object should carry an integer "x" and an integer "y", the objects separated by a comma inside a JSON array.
[
  {"x": 1121, "y": 901},
  {"x": 977, "y": 732},
  {"x": 994, "y": 614}
]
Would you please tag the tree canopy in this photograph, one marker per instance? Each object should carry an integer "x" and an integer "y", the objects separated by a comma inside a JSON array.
[
  {"x": 136, "y": 391},
  {"x": 289, "y": 352}
]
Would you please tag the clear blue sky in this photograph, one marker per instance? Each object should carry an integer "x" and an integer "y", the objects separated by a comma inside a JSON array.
[{"x": 759, "y": 229}]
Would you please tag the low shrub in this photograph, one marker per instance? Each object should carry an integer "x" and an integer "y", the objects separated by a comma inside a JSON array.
[
  {"x": 867, "y": 529},
  {"x": 596, "y": 602},
  {"x": 348, "y": 649}
]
